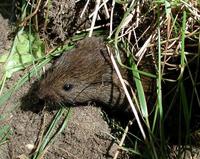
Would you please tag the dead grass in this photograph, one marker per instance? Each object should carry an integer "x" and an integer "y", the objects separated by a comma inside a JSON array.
[{"x": 164, "y": 32}]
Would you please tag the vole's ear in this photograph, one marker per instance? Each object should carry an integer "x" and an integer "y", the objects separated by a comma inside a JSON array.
[
  {"x": 56, "y": 60},
  {"x": 62, "y": 58},
  {"x": 59, "y": 59}
]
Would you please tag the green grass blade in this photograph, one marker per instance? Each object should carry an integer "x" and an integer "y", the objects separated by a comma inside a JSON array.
[
  {"x": 51, "y": 135},
  {"x": 140, "y": 90}
]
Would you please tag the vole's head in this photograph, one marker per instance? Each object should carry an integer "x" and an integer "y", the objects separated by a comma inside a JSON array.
[{"x": 81, "y": 75}]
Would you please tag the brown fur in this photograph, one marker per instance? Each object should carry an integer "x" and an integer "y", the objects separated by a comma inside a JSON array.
[{"x": 88, "y": 71}]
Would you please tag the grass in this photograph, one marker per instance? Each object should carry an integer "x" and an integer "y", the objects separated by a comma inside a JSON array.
[
  {"x": 52, "y": 132},
  {"x": 159, "y": 30}
]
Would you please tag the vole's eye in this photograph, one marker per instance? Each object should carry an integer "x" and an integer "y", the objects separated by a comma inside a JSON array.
[{"x": 67, "y": 87}]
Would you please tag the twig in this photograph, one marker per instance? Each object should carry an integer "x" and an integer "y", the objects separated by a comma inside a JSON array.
[
  {"x": 127, "y": 93},
  {"x": 31, "y": 15},
  {"x": 94, "y": 17},
  {"x": 84, "y": 8},
  {"x": 111, "y": 18},
  {"x": 123, "y": 138}
]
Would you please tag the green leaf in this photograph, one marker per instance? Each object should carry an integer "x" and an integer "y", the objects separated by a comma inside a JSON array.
[
  {"x": 5, "y": 130},
  {"x": 26, "y": 49}
]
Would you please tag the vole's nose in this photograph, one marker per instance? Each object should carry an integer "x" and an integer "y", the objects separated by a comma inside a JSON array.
[
  {"x": 47, "y": 95},
  {"x": 42, "y": 95}
]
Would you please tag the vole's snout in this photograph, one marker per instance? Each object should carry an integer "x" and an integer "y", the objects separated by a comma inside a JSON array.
[
  {"x": 47, "y": 94},
  {"x": 41, "y": 94},
  {"x": 42, "y": 91}
]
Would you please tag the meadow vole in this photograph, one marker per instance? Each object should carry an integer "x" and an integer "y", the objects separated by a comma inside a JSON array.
[{"x": 84, "y": 74}]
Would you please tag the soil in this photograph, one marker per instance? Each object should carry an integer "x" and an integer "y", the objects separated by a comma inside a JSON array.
[{"x": 4, "y": 29}]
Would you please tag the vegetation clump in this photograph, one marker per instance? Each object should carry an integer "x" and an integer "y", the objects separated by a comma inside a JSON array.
[{"x": 161, "y": 40}]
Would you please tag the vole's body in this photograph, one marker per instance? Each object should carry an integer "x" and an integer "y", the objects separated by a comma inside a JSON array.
[{"x": 84, "y": 74}]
